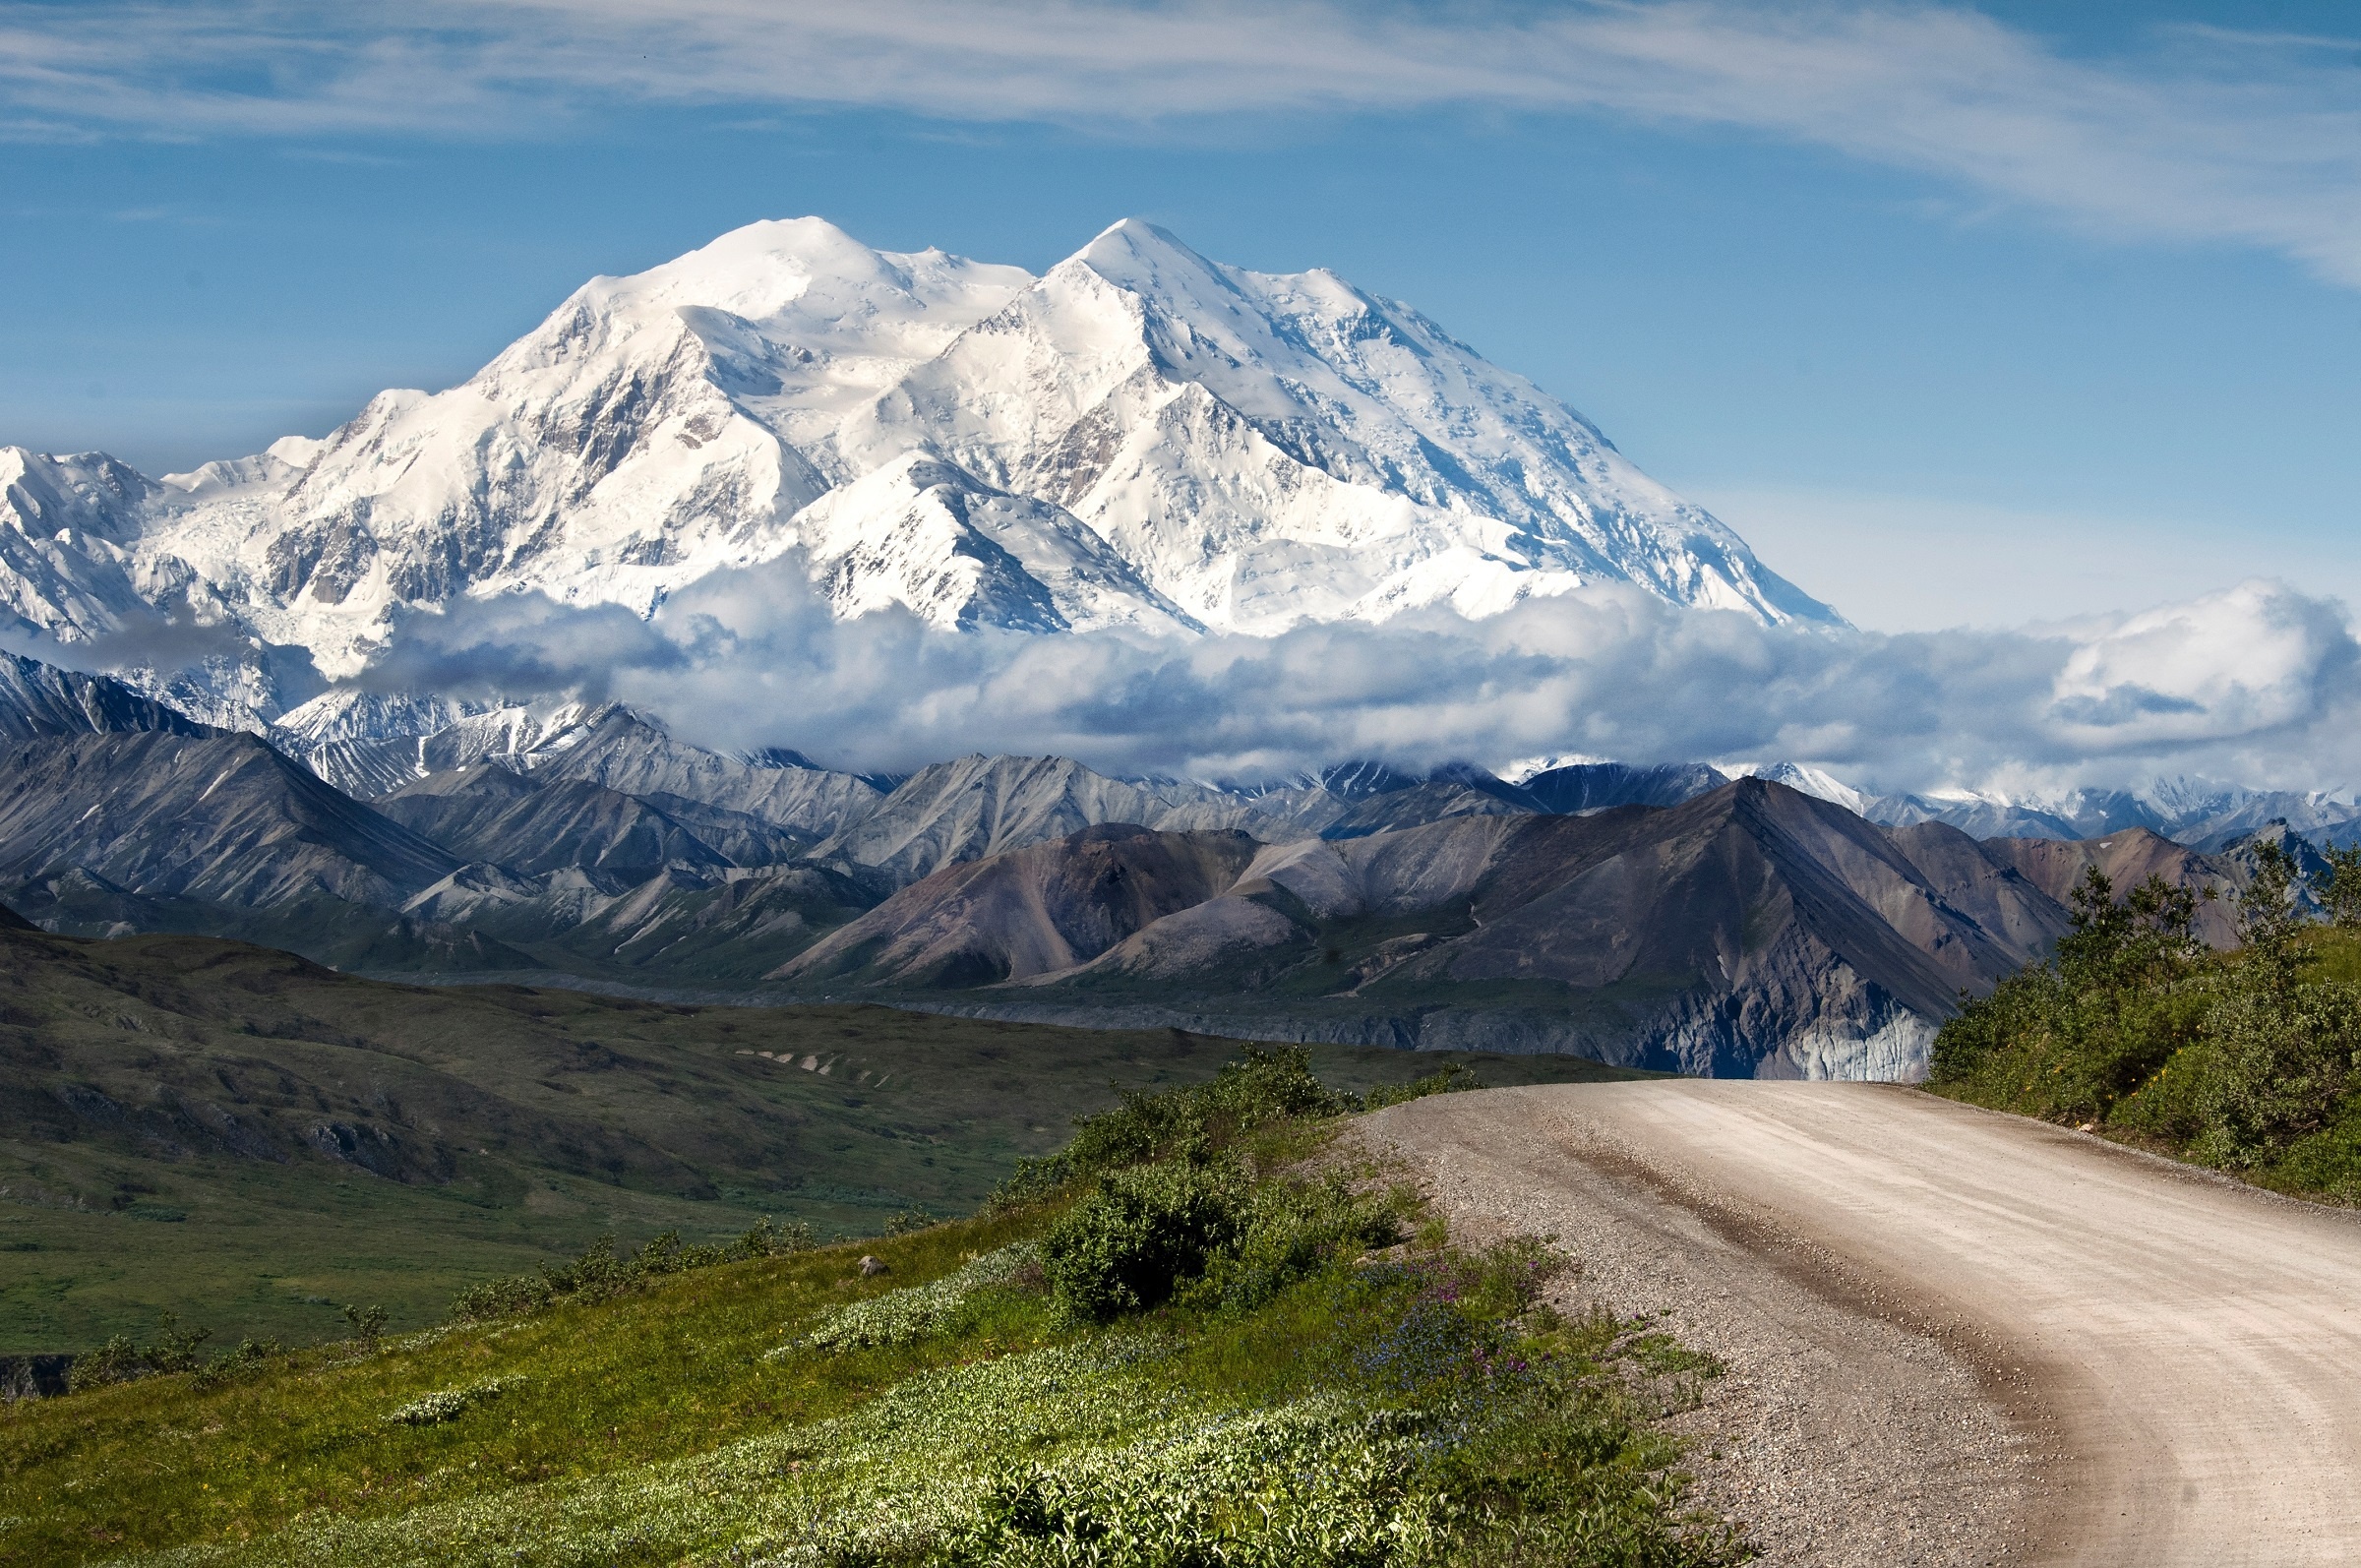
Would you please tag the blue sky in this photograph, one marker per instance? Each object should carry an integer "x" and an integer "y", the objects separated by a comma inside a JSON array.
[{"x": 1960, "y": 316}]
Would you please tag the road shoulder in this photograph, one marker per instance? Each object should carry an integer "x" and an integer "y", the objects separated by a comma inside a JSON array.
[{"x": 1852, "y": 1428}]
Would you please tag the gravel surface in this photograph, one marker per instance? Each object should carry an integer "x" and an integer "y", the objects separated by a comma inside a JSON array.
[
  {"x": 1954, "y": 1336},
  {"x": 1846, "y": 1429}
]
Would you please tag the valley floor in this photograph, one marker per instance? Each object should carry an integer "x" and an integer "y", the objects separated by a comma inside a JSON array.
[{"x": 1954, "y": 1336}]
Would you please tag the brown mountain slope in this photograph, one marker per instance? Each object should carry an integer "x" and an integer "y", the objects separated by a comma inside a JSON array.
[
  {"x": 2129, "y": 858},
  {"x": 1753, "y": 931},
  {"x": 1031, "y": 910}
]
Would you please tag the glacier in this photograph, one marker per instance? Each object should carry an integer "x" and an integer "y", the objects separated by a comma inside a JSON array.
[{"x": 1140, "y": 438}]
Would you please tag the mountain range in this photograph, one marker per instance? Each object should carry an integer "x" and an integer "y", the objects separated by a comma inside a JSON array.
[
  {"x": 1139, "y": 438},
  {"x": 1663, "y": 916},
  {"x": 1140, "y": 442}
]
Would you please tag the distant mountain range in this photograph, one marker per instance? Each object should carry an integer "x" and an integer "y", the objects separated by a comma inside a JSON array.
[
  {"x": 1670, "y": 917},
  {"x": 1139, "y": 438}
]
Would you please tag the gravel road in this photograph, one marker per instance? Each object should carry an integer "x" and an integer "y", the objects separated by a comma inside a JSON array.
[{"x": 1952, "y": 1337}]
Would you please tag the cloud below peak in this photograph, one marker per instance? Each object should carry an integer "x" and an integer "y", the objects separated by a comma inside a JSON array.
[{"x": 2256, "y": 682}]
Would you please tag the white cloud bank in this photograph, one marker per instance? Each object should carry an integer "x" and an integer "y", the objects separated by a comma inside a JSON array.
[
  {"x": 2204, "y": 134},
  {"x": 2258, "y": 684}
]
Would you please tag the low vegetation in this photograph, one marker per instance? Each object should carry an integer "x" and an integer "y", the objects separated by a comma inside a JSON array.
[
  {"x": 1202, "y": 1334},
  {"x": 2248, "y": 1061},
  {"x": 251, "y": 1141}
]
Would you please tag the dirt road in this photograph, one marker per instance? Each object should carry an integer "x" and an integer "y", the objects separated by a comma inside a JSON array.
[{"x": 2177, "y": 1359}]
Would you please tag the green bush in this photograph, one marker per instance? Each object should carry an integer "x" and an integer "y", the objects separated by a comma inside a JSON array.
[
  {"x": 1450, "y": 1078},
  {"x": 2281, "y": 1061},
  {"x": 2234, "y": 1059},
  {"x": 121, "y": 1360},
  {"x": 1269, "y": 1086},
  {"x": 2339, "y": 886},
  {"x": 1140, "y": 1235},
  {"x": 249, "y": 1355},
  {"x": 1291, "y": 1229}
]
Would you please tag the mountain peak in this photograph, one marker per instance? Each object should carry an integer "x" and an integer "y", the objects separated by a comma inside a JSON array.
[{"x": 1145, "y": 437}]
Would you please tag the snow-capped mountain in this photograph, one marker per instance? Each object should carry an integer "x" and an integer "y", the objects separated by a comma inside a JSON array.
[
  {"x": 2199, "y": 812},
  {"x": 1141, "y": 437}
]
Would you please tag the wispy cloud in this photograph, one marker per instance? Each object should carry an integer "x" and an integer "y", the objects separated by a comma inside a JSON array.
[{"x": 2200, "y": 135}]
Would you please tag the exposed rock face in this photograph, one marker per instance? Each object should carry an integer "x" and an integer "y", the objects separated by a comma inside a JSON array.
[
  {"x": 682, "y": 924},
  {"x": 982, "y": 805},
  {"x": 1754, "y": 930},
  {"x": 979, "y": 805},
  {"x": 622, "y": 750}
]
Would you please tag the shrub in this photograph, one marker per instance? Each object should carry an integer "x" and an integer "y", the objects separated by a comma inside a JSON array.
[
  {"x": 248, "y": 1354},
  {"x": 1266, "y": 1087},
  {"x": 2339, "y": 886},
  {"x": 1140, "y": 1235},
  {"x": 121, "y": 1360},
  {"x": 1450, "y": 1078},
  {"x": 1290, "y": 1229},
  {"x": 599, "y": 1274},
  {"x": 2280, "y": 1061},
  {"x": 2236, "y": 1060}
]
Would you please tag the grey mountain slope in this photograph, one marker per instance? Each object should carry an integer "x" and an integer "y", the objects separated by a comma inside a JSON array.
[
  {"x": 622, "y": 750},
  {"x": 682, "y": 924},
  {"x": 982, "y": 805},
  {"x": 1976, "y": 818},
  {"x": 530, "y": 825},
  {"x": 2242, "y": 817},
  {"x": 738, "y": 838},
  {"x": 1752, "y": 930},
  {"x": 1389, "y": 812},
  {"x": 220, "y": 817},
  {"x": 1597, "y": 786},
  {"x": 37, "y": 699},
  {"x": 365, "y": 769}
]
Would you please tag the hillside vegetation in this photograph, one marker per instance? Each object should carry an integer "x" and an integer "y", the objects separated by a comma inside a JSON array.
[
  {"x": 2248, "y": 1061},
  {"x": 254, "y": 1142},
  {"x": 1202, "y": 1334}
]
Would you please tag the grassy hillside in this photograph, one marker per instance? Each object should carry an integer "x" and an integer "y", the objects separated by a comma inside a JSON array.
[
  {"x": 2249, "y": 1061},
  {"x": 1198, "y": 1336},
  {"x": 242, "y": 1137}
]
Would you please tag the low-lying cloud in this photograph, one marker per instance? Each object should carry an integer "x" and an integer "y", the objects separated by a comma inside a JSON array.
[{"x": 2258, "y": 684}]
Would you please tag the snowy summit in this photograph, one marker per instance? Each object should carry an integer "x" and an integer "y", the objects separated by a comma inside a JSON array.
[{"x": 1141, "y": 437}]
